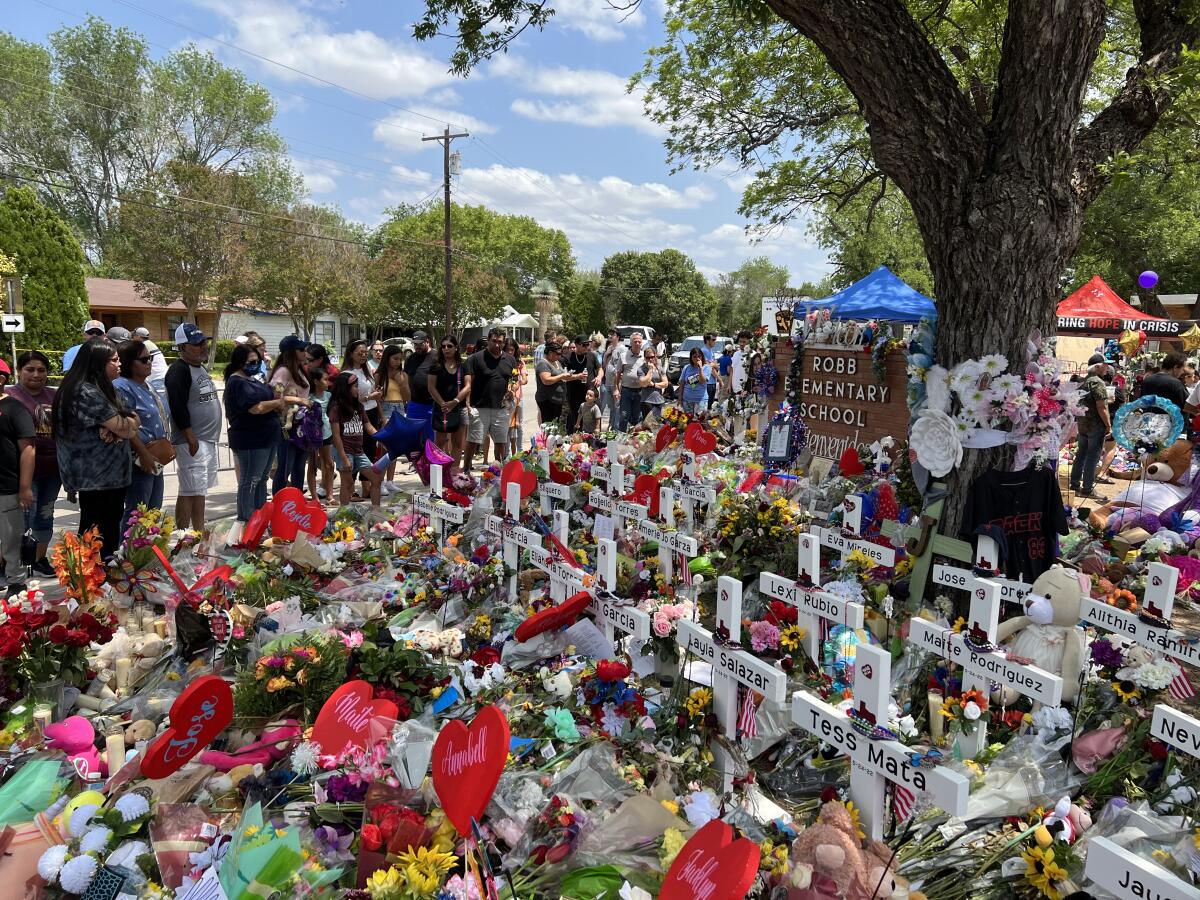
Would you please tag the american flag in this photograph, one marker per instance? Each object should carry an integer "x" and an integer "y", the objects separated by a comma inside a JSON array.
[
  {"x": 747, "y": 722},
  {"x": 903, "y": 801},
  {"x": 1180, "y": 688}
]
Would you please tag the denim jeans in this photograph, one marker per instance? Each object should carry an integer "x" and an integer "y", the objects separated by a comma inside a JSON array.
[
  {"x": 254, "y": 466},
  {"x": 143, "y": 488},
  {"x": 40, "y": 517},
  {"x": 630, "y": 412},
  {"x": 290, "y": 468},
  {"x": 605, "y": 402},
  {"x": 1089, "y": 446}
]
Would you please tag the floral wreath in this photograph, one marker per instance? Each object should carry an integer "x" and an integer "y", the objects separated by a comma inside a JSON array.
[
  {"x": 1148, "y": 424},
  {"x": 799, "y": 434}
]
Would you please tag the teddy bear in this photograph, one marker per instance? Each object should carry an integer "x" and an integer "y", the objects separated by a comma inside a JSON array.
[
  {"x": 832, "y": 848},
  {"x": 1160, "y": 486},
  {"x": 1049, "y": 632}
]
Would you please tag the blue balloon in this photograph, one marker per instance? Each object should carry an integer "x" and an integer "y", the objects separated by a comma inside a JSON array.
[
  {"x": 402, "y": 435},
  {"x": 1147, "y": 280}
]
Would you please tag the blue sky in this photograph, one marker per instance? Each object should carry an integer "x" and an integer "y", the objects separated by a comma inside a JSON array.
[{"x": 554, "y": 134}]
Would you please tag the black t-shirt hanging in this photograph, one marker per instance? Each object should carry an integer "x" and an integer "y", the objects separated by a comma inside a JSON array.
[{"x": 1027, "y": 507}]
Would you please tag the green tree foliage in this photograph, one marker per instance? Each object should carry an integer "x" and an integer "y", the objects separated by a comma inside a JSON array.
[
  {"x": 740, "y": 292},
  {"x": 50, "y": 263},
  {"x": 497, "y": 259},
  {"x": 582, "y": 304},
  {"x": 662, "y": 290},
  {"x": 90, "y": 115}
]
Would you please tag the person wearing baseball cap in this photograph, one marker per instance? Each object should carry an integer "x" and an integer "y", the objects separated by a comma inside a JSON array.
[
  {"x": 417, "y": 367},
  {"x": 196, "y": 417},
  {"x": 92, "y": 328},
  {"x": 158, "y": 363},
  {"x": 119, "y": 335},
  {"x": 1093, "y": 425}
]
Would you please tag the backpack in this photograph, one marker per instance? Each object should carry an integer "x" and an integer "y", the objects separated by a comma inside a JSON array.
[{"x": 307, "y": 427}]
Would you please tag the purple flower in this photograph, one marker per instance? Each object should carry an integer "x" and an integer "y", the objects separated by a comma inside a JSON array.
[
  {"x": 274, "y": 662},
  {"x": 343, "y": 789},
  {"x": 1107, "y": 656}
]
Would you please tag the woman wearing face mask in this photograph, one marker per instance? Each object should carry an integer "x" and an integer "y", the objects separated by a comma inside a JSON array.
[
  {"x": 288, "y": 379},
  {"x": 252, "y": 411},
  {"x": 31, "y": 391}
]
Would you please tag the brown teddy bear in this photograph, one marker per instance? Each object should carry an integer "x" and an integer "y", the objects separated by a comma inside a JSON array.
[{"x": 832, "y": 848}]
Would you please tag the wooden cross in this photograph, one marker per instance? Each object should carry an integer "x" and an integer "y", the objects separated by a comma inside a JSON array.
[
  {"x": 814, "y": 605},
  {"x": 563, "y": 576},
  {"x": 874, "y": 762},
  {"x": 613, "y": 612},
  {"x": 438, "y": 510},
  {"x": 513, "y": 536},
  {"x": 921, "y": 541},
  {"x": 982, "y": 669},
  {"x": 692, "y": 491},
  {"x": 731, "y": 666},
  {"x": 549, "y": 490}
]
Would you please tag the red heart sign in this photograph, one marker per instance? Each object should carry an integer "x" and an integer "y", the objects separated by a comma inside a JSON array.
[
  {"x": 712, "y": 866},
  {"x": 699, "y": 440},
  {"x": 467, "y": 763},
  {"x": 645, "y": 490},
  {"x": 211, "y": 577},
  {"x": 293, "y": 514},
  {"x": 553, "y": 617},
  {"x": 198, "y": 715},
  {"x": 559, "y": 475},
  {"x": 346, "y": 718},
  {"x": 256, "y": 528},
  {"x": 514, "y": 470},
  {"x": 850, "y": 464},
  {"x": 667, "y": 435}
]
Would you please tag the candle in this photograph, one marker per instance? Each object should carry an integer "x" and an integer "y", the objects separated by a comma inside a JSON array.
[
  {"x": 123, "y": 665},
  {"x": 936, "y": 722},
  {"x": 43, "y": 715},
  {"x": 160, "y": 627},
  {"x": 114, "y": 751}
]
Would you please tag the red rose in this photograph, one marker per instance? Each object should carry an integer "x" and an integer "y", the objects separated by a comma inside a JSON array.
[
  {"x": 486, "y": 655},
  {"x": 388, "y": 825},
  {"x": 11, "y": 640},
  {"x": 77, "y": 637},
  {"x": 58, "y": 634},
  {"x": 403, "y": 708},
  {"x": 1157, "y": 749},
  {"x": 371, "y": 838},
  {"x": 558, "y": 854},
  {"x": 611, "y": 670}
]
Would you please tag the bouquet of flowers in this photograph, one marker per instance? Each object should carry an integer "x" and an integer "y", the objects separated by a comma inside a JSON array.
[
  {"x": 42, "y": 646},
  {"x": 1134, "y": 673},
  {"x": 78, "y": 565},
  {"x": 148, "y": 528},
  {"x": 616, "y": 706},
  {"x": 302, "y": 672},
  {"x": 757, "y": 530}
]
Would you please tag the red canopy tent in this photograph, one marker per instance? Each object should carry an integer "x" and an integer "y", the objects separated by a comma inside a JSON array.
[{"x": 1096, "y": 300}]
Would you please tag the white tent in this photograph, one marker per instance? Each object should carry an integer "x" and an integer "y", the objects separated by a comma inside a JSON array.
[{"x": 522, "y": 326}]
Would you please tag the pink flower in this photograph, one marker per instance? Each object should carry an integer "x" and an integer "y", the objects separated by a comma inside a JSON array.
[
  {"x": 763, "y": 636},
  {"x": 662, "y": 624},
  {"x": 352, "y": 639}
]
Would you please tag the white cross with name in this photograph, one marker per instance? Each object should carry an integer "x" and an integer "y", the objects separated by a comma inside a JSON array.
[
  {"x": 610, "y": 610},
  {"x": 873, "y": 763},
  {"x": 669, "y": 540},
  {"x": 987, "y": 555},
  {"x": 1176, "y": 729},
  {"x": 691, "y": 492},
  {"x": 549, "y": 490},
  {"x": 605, "y": 472},
  {"x": 1127, "y": 875},
  {"x": 438, "y": 510},
  {"x": 564, "y": 576},
  {"x": 981, "y": 669},
  {"x": 513, "y": 536},
  {"x": 850, "y": 537},
  {"x": 1159, "y": 600},
  {"x": 730, "y": 667},
  {"x": 814, "y": 605}
]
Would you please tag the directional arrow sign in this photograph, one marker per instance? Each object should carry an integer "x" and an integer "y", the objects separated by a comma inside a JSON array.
[{"x": 14, "y": 323}]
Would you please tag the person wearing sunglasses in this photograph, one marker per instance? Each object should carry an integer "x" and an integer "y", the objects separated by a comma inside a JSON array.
[
  {"x": 653, "y": 380},
  {"x": 133, "y": 387}
]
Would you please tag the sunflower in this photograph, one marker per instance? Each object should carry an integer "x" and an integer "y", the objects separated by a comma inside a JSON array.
[
  {"x": 856, "y": 819},
  {"x": 959, "y": 624},
  {"x": 1043, "y": 872},
  {"x": 791, "y": 637},
  {"x": 1126, "y": 690},
  {"x": 697, "y": 702}
]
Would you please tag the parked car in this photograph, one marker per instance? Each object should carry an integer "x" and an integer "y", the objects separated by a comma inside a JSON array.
[
  {"x": 403, "y": 343},
  {"x": 626, "y": 330},
  {"x": 677, "y": 360}
]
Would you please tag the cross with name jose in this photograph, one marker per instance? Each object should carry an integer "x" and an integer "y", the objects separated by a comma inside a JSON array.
[
  {"x": 875, "y": 762},
  {"x": 731, "y": 666},
  {"x": 438, "y": 510},
  {"x": 986, "y": 556}
]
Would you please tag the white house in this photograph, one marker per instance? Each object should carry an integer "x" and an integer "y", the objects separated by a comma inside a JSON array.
[{"x": 333, "y": 330}]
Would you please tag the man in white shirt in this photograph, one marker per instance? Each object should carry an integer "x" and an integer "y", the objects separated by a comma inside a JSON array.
[
  {"x": 158, "y": 363},
  {"x": 737, "y": 367}
]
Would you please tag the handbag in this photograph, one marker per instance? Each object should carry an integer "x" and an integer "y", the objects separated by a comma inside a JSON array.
[{"x": 162, "y": 450}]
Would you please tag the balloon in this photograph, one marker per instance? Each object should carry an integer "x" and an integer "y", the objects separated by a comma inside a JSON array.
[
  {"x": 1129, "y": 342},
  {"x": 402, "y": 435},
  {"x": 1147, "y": 280},
  {"x": 1191, "y": 339}
]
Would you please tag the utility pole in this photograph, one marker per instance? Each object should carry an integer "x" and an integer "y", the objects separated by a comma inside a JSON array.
[{"x": 445, "y": 138}]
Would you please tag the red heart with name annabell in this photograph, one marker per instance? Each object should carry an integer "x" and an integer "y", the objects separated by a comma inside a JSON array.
[
  {"x": 553, "y": 617},
  {"x": 667, "y": 435},
  {"x": 514, "y": 471},
  {"x": 699, "y": 439},
  {"x": 346, "y": 719},
  {"x": 293, "y": 514},
  {"x": 712, "y": 865},
  {"x": 467, "y": 764},
  {"x": 199, "y": 714}
]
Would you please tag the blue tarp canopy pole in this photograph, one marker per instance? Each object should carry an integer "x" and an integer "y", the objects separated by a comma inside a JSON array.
[{"x": 881, "y": 295}]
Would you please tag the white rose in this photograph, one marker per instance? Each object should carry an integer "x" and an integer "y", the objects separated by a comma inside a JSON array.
[
  {"x": 936, "y": 442},
  {"x": 971, "y": 711}
]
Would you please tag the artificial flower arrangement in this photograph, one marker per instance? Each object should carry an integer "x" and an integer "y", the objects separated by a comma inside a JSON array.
[
  {"x": 94, "y": 838},
  {"x": 295, "y": 671},
  {"x": 614, "y": 703}
]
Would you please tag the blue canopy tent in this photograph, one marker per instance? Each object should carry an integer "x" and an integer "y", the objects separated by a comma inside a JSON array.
[{"x": 881, "y": 295}]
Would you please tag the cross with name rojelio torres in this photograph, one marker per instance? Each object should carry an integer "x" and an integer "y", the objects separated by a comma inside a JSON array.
[
  {"x": 565, "y": 577},
  {"x": 731, "y": 666},
  {"x": 612, "y": 612},
  {"x": 814, "y": 606},
  {"x": 514, "y": 537},
  {"x": 620, "y": 510},
  {"x": 974, "y": 649},
  {"x": 438, "y": 510},
  {"x": 874, "y": 761}
]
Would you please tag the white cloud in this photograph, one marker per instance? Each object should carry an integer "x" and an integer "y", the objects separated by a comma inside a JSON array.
[
  {"x": 596, "y": 19},
  {"x": 395, "y": 130},
  {"x": 361, "y": 60},
  {"x": 592, "y": 98}
]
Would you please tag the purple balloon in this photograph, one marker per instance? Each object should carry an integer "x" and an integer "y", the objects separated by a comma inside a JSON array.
[{"x": 1147, "y": 280}]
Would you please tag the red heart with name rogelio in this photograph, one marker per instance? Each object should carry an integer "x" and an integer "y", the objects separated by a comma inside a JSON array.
[
  {"x": 199, "y": 714},
  {"x": 553, "y": 617},
  {"x": 350, "y": 718},
  {"x": 293, "y": 514},
  {"x": 699, "y": 439},
  {"x": 712, "y": 865},
  {"x": 514, "y": 471},
  {"x": 467, "y": 764}
]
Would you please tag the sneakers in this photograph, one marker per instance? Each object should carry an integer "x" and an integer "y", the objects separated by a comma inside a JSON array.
[
  {"x": 12, "y": 587},
  {"x": 395, "y": 488},
  {"x": 44, "y": 567}
]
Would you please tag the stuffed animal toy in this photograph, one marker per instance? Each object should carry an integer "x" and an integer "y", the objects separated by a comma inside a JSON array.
[
  {"x": 1161, "y": 486},
  {"x": 1066, "y": 822},
  {"x": 1049, "y": 632},
  {"x": 276, "y": 740},
  {"x": 76, "y": 737},
  {"x": 832, "y": 848}
]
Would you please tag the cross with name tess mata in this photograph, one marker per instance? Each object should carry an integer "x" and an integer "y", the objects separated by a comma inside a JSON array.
[
  {"x": 438, "y": 510},
  {"x": 731, "y": 666},
  {"x": 981, "y": 667},
  {"x": 875, "y": 762}
]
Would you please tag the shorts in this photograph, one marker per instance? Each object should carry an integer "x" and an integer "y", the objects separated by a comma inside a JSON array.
[
  {"x": 354, "y": 461},
  {"x": 328, "y": 442},
  {"x": 197, "y": 474},
  {"x": 491, "y": 421}
]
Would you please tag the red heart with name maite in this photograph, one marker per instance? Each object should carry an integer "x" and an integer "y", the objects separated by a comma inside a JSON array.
[
  {"x": 514, "y": 471},
  {"x": 645, "y": 492},
  {"x": 350, "y": 718},
  {"x": 553, "y": 617},
  {"x": 712, "y": 865},
  {"x": 199, "y": 714},
  {"x": 467, "y": 764},
  {"x": 699, "y": 439},
  {"x": 667, "y": 435},
  {"x": 293, "y": 514},
  {"x": 256, "y": 528}
]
